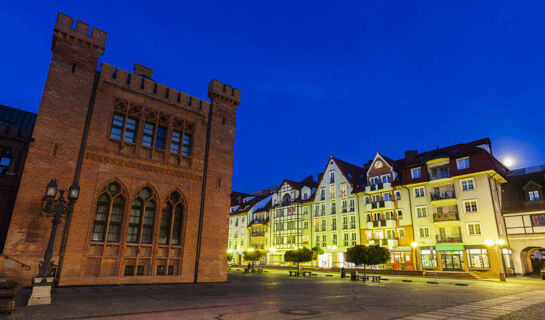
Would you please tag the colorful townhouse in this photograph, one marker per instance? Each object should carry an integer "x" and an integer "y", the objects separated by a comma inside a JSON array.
[
  {"x": 435, "y": 210},
  {"x": 335, "y": 223},
  {"x": 290, "y": 215},
  {"x": 454, "y": 198},
  {"x": 385, "y": 212},
  {"x": 523, "y": 208}
]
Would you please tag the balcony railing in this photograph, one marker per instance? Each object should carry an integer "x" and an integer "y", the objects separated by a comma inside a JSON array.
[
  {"x": 448, "y": 239},
  {"x": 378, "y": 204},
  {"x": 445, "y": 216},
  {"x": 379, "y": 223},
  {"x": 442, "y": 195},
  {"x": 258, "y": 233}
]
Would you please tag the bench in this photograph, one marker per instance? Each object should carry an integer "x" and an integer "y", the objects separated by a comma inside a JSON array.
[
  {"x": 305, "y": 273},
  {"x": 373, "y": 278},
  {"x": 294, "y": 273},
  {"x": 259, "y": 270}
]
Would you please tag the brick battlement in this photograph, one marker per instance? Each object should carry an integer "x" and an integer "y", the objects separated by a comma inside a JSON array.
[
  {"x": 220, "y": 90},
  {"x": 149, "y": 87},
  {"x": 64, "y": 24}
]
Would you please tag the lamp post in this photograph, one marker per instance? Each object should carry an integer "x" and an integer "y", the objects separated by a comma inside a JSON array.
[
  {"x": 497, "y": 247},
  {"x": 57, "y": 208},
  {"x": 415, "y": 254}
]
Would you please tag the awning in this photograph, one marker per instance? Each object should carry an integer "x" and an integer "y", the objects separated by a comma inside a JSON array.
[
  {"x": 400, "y": 250},
  {"x": 449, "y": 247}
]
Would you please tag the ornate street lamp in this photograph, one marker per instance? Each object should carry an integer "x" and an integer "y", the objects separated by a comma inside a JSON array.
[
  {"x": 57, "y": 208},
  {"x": 497, "y": 247}
]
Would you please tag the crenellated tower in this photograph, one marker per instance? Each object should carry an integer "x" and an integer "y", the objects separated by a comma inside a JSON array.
[
  {"x": 58, "y": 135},
  {"x": 224, "y": 100}
]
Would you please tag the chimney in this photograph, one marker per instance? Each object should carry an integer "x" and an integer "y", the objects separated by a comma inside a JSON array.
[
  {"x": 143, "y": 71},
  {"x": 410, "y": 155},
  {"x": 320, "y": 175}
]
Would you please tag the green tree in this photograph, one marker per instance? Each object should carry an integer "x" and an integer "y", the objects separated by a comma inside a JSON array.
[
  {"x": 229, "y": 257},
  {"x": 367, "y": 255},
  {"x": 299, "y": 256},
  {"x": 253, "y": 256}
]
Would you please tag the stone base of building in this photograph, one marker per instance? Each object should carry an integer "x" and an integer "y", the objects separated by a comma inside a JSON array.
[{"x": 41, "y": 291}]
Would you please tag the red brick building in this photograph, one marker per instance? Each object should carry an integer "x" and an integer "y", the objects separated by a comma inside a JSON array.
[
  {"x": 154, "y": 166},
  {"x": 15, "y": 136}
]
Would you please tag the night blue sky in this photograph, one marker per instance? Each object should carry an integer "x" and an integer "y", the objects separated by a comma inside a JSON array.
[{"x": 319, "y": 78}]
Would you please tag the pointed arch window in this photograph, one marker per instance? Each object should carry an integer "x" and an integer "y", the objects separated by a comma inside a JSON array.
[
  {"x": 171, "y": 220},
  {"x": 109, "y": 214},
  {"x": 141, "y": 218}
]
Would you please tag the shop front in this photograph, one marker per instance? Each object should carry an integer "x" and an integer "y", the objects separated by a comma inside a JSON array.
[
  {"x": 451, "y": 256},
  {"x": 401, "y": 259}
]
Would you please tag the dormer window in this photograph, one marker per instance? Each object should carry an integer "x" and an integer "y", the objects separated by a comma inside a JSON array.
[
  {"x": 374, "y": 180},
  {"x": 386, "y": 178},
  {"x": 533, "y": 195},
  {"x": 415, "y": 173},
  {"x": 462, "y": 163}
]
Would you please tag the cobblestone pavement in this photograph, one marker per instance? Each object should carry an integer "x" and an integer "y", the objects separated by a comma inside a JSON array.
[{"x": 274, "y": 295}]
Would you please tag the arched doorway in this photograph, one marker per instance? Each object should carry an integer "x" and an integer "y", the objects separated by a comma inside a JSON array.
[{"x": 533, "y": 260}]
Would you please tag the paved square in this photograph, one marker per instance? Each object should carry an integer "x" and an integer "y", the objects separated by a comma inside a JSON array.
[{"x": 274, "y": 295}]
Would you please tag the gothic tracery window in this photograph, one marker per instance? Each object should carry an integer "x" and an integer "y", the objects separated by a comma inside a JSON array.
[
  {"x": 109, "y": 214},
  {"x": 141, "y": 218},
  {"x": 171, "y": 220}
]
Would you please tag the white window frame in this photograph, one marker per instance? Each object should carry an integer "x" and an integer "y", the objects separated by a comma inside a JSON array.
[
  {"x": 421, "y": 207},
  {"x": 467, "y": 183},
  {"x": 463, "y": 163},
  {"x": 401, "y": 231},
  {"x": 398, "y": 195},
  {"x": 532, "y": 195},
  {"x": 423, "y": 228},
  {"x": 470, "y": 200},
  {"x": 343, "y": 193},
  {"x": 474, "y": 224},
  {"x": 374, "y": 180},
  {"x": 414, "y": 170},
  {"x": 418, "y": 194},
  {"x": 385, "y": 176}
]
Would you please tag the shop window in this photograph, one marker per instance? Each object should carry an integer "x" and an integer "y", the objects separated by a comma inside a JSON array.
[
  {"x": 428, "y": 258},
  {"x": 478, "y": 258}
]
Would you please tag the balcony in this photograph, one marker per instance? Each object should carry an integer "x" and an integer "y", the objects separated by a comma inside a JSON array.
[
  {"x": 390, "y": 223},
  {"x": 382, "y": 204},
  {"x": 449, "y": 239},
  {"x": 258, "y": 233},
  {"x": 443, "y": 196},
  {"x": 445, "y": 216},
  {"x": 378, "y": 187},
  {"x": 379, "y": 223}
]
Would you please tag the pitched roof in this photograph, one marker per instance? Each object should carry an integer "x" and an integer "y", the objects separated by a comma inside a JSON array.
[
  {"x": 307, "y": 182},
  {"x": 17, "y": 118},
  {"x": 354, "y": 174},
  {"x": 514, "y": 192}
]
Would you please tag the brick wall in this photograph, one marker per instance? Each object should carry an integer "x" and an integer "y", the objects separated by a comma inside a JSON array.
[{"x": 132, "y": 166}]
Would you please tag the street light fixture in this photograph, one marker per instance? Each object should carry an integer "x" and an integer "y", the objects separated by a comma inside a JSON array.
[
  {"x": 415, "y": 253},
  {"x": 497, "y": 247},
  {"x": 57, "y": 208}
]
